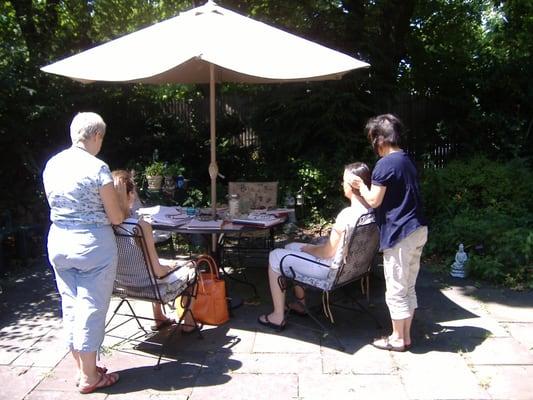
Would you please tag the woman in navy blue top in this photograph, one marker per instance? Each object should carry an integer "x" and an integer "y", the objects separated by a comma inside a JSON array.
[{"x": 395, "y": 194}]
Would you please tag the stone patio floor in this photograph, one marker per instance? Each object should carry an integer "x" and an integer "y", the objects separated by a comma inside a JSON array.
[{"x": 469, "y": 342}]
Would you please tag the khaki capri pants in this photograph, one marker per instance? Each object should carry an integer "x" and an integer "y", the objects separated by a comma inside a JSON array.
[{"x": 401, "y": 264}]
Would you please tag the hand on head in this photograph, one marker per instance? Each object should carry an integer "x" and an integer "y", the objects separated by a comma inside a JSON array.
[
  {"x": 356, "y": 181},
  {"x": 121, "y": 188},
  {"x": 120, "y": 184}
]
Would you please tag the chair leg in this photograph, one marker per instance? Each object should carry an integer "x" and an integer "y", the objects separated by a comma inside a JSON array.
[
  {"x": 131, "y": 316},
  {"x": 164, "y": 347},
  {"x": 114, "y": 313},
  {"x": 284, "y": 285},
  {"x": 187, "y": 309},
  {"x": 325, "y": 331},
  {"x": 254, "y": 288},
  {"x": 360, "y": 306},
  {"x": 134, "y": 315}
]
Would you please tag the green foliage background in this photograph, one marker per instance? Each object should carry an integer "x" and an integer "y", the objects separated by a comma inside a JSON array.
[
  {"x": 457, "y": 72},
  {"x": 487, "y": 206}
]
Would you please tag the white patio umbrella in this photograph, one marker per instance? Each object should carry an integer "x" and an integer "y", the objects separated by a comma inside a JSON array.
[{"x": 207, "y": 44}]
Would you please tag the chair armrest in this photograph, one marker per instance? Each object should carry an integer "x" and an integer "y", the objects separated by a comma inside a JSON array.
[
  {"x": 192, "y": 264},
  {"x": 301, "y": 258}
]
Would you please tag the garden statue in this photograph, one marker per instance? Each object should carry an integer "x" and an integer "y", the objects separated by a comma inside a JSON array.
[{"x": 458, "y": 267}]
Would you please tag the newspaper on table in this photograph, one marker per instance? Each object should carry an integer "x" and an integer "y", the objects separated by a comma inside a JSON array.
[
  {"x": 211, "y": 224},
  {"x": 261, "y": 219},
  {"x": 164, "y": 215}
]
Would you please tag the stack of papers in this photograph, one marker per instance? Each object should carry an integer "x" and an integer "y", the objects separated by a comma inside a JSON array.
[
  {"x": 197, "y": 224},
  {"x": 163, "y": 215},
  {"x": 263, "y": 220}
]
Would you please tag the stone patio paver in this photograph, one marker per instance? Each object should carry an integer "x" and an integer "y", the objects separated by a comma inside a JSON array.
[
  {"x": 500, "y": 351},
  {"x": 17, "y": 382},
  {"x": 469, "y": 343},
  {"x": 246, "y": 386},
  {"x": 351, "y": 386},
  {"x": 504, "y": 382},
  {"x": 438, "y": 375}
]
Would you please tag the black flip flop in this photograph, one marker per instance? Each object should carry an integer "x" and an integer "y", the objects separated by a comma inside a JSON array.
[
  {"x": 269, "y": 324},
  {"x": 195, "y": 329},
  {"x": 164, "y": 324}
]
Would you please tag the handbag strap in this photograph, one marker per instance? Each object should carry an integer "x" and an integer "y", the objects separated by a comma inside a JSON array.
[{"x": 210, "y": 262}]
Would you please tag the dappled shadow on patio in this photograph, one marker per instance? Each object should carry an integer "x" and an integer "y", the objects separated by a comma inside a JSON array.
[
  {"x": 356, "y": 329},
  {"x": 438, "y": 325},
  {"x": 29, "y": 310}
]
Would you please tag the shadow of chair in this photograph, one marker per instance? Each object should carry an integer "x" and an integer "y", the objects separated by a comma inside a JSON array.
[
  {"x": 354, "y": 261},
  {"x": 136, "y": 280}
]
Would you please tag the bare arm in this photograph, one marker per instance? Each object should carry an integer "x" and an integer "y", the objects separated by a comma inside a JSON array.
[
  {"x": 112, "y": 203},
  {"x": 326, "y": 250},
  {"x": 159, "y": 270},
  {"x": 373, "y": 196}
]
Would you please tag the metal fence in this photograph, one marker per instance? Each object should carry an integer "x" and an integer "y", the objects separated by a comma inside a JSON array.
[{"x": 420, "y": 116}]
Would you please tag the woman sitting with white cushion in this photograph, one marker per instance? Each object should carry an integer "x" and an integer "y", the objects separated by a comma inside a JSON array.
[{"x": 325, "y": 253}]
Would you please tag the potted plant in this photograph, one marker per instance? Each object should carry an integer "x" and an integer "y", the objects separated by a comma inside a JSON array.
[
  {"x": 172, "y": 171},
  {"x": 154, "y": 175}
]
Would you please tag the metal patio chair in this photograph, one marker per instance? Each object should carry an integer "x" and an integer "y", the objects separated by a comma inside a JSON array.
[
  {"x": 135, "y": 280},
  {"x": 354, "y": 261}
]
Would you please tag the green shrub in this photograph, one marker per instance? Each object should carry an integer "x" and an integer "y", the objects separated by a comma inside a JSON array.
[
  {"x": 488, "y": 206},
  {"x": 154, "y": 169}
]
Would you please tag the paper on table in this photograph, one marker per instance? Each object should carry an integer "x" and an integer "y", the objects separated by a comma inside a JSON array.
[
  {"x": 266, "y": 223},
  {"x": 163, "y": 215},
  {"x": 162, "y": 210},
  {"x": 167, "y": 220},
  {"x": 197, "y": 224}
]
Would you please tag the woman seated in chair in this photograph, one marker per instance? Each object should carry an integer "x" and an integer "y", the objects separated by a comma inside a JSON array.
[
  {"x": 162, "y": 267},
  {"x": 324, "y": 253}
]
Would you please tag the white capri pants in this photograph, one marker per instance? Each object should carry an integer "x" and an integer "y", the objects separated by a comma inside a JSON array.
[
  {"x": 401, "y": 264},
  {"x": 299, "y": 266}
]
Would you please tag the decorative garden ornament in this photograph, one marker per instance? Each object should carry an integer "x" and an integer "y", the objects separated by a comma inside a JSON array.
[{"x": 458, "y": 267}]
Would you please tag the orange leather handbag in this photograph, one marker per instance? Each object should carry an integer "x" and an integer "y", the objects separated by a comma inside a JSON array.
[{"x": 210, "y": 305}]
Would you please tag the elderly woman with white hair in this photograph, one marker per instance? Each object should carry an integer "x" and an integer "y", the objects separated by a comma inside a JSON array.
[{"x": 81, "y": 244}]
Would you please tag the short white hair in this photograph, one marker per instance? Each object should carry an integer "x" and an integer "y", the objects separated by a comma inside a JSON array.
[{"x": 85, "y": 125}]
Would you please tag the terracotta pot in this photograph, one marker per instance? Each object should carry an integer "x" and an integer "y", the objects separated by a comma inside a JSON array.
[{"x": 154, "y": 182}]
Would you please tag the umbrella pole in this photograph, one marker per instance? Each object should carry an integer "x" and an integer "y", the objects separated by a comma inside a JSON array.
[{"x": 213, "y": 167}]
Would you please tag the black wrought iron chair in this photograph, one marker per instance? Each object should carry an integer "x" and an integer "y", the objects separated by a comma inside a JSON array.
[
  {"x": 249, "y": 248},
  {"x": 353, "y": 261},
  {"x": 135, "y": 280}
]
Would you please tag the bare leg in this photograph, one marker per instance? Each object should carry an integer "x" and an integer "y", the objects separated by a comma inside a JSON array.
[
  {"x": 158, "y": 313},
  {"x": 89, "y": 375},
  {"x": 299, "y": 292},
  {"x": 278, "y": 298},
  {"x": 76, "y": 356},
  {"x": 398, "y": 329},
  {"x": 297, "y": 306},
  {"x": 407, "y": 331}
]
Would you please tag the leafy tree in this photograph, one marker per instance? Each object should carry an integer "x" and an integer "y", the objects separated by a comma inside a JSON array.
[{"x": 457, "y": 72}]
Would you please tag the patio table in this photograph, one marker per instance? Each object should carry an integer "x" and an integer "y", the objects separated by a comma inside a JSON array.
[{"x": 226, "y": 227}]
